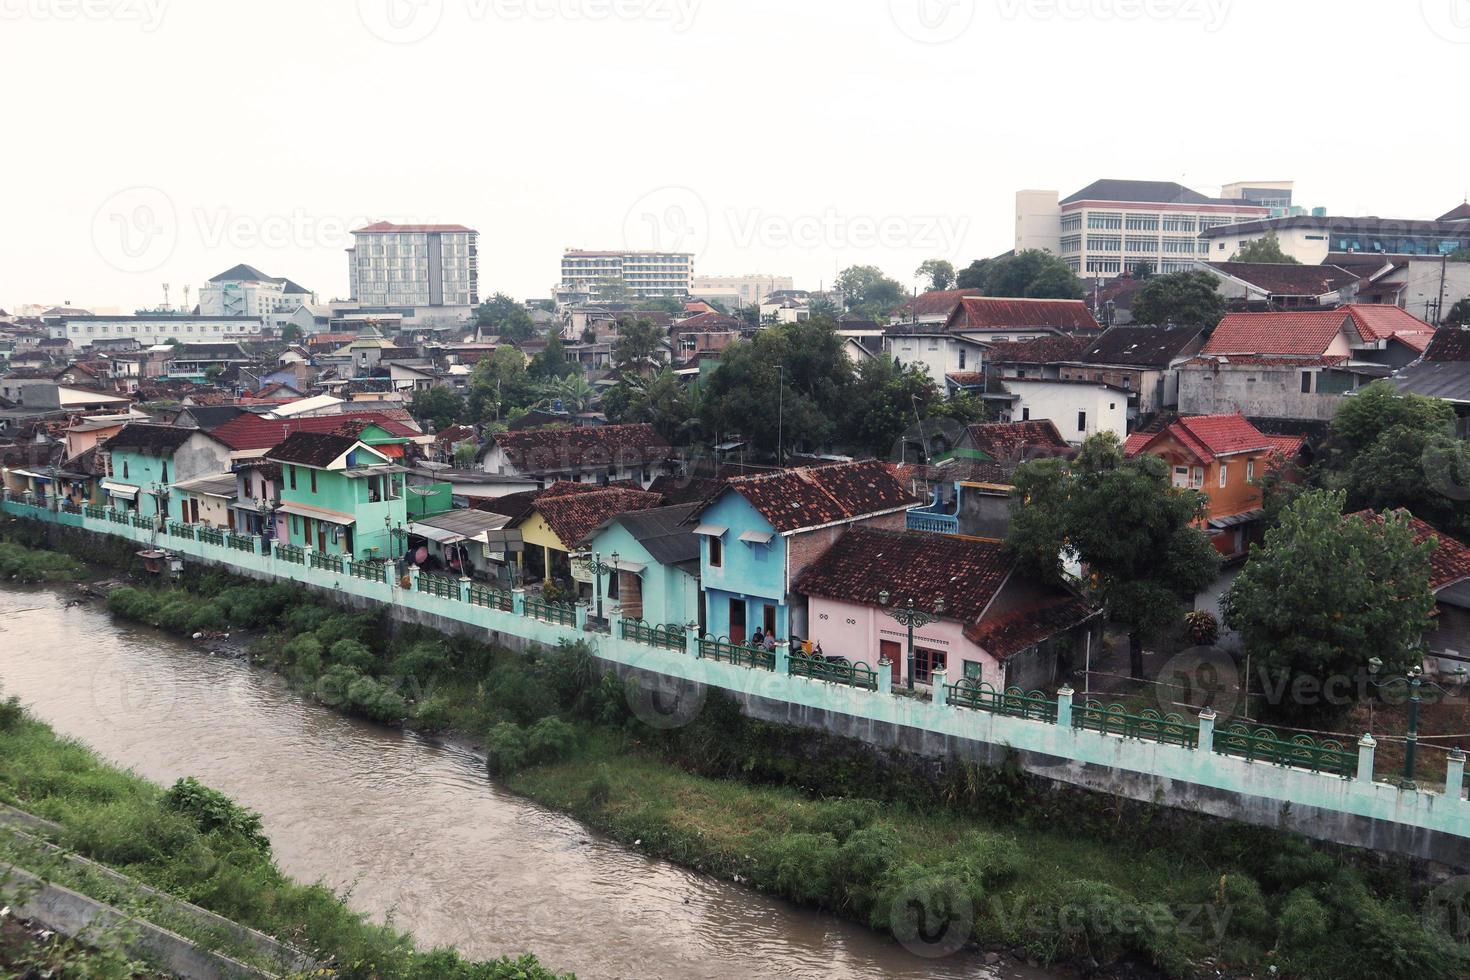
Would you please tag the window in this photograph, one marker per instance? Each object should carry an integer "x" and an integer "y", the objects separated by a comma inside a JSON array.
[
  {"x": 716, "y": 552},
  {"x": 1250, "y": 471},
  {"x": 972, "y": 670},
  {"x": 1181, "y": 476},
  {"x": 1196, "y": 477},
  {"x": 292, "y": 472},
  {"x": 925, "y": 663},
  {"x": 1081, "y": 421},
  {"x": 165, "y": 471},
  {"x": 1224, "y": 474},
  {"x": 1025, "y": 414},
  {"x": 125, "y": 469},
  {"x": 313, "y": 481},
  {"x": 1306, "y": 382},
  {"x": 962, "y": 358}
]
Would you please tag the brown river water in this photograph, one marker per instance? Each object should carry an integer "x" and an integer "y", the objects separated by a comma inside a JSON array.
[{"x": 413, "y": 831}]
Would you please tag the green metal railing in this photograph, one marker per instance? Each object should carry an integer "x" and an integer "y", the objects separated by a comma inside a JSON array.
[
  {"x": 320, "y": 559},
  {"x": 291, "y": 553},
  {"x": 180, "y": 530},
  {"x": 372, "y": 571},
  {"x": 721, "y": 649},
  {"x": 95, "y": 512},
  {"x": 118, "y": 516},
  {"x": 439, "y": 585},
  {"x": 146, "y": 523},
  {"x": 1013, "y": 701},
  {"x": 1148, "y": 725},
  {"x": 666, "y": 637},
  {"x": 241, "y": 542},
  {"x": 836, "y": 670},
  {"x": 484, "y": 595},
  {"x": 1301, "y": 752},
  {"x": 561, "y": 613},
  {"x": 211, "y": 535}
]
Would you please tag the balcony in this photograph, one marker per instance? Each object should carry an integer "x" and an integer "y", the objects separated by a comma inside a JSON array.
[{"x": 933, "y": 518}]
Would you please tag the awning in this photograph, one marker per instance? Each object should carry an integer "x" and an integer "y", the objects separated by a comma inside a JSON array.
[
  {"x": 316, "y": 513},
  {"x": 711, "y": 530},
  {"x": 756, "y": 537},
  {"x": 120, "y": 489},
  {"x": 32, "y": 474},
  {"x": 636, "y": 567},
  {"x": 435, "y": 534}
]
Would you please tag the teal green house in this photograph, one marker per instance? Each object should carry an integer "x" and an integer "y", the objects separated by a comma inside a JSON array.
[
  {"x": 656, "y": 557},
  {"x": 146, "y": 460},
  {"x": 340, "y": 496}
]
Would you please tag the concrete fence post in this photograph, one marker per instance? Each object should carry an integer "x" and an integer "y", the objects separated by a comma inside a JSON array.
[
  {"x": 691, "y": 640},
  {"x": 938, "y": 695},
  {"x": 581, "y": 612},
  {"x": 885, "y": 676},
  {"x": 1366, "y": 745},
  {"x": 518, "y": 601},
  {"x": 1207, "y": 730},
  {"x": 413, "y": 578},
  {"x": 1064, "y": 706},
  {"x": 1454, "y": 775},
  {"x": 464, "y": 589},
  {"x": 783, "y": 658}
]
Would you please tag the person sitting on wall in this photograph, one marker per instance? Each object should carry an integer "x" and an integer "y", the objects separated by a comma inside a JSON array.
[{"x": 757, "y": 638}]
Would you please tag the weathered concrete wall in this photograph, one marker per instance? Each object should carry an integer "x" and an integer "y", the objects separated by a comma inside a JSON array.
[{"x": 1352, "y": 810}]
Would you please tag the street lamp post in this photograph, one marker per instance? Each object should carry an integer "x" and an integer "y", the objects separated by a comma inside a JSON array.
[
  {"x": 1412, "y": 681},
  {"x": 597, "y": 566},
  {"x": 912, "y": 618}
]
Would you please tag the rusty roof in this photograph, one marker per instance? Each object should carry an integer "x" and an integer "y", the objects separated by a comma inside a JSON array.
[{"x": 813, "y": 496}]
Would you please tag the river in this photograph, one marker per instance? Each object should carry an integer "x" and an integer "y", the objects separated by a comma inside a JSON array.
[{"x": 413, "y": 831}]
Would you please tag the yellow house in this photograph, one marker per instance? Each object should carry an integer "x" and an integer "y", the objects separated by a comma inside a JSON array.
[
  {"x": 563, "y": 517},
  {"x": 207, "y": 500}
]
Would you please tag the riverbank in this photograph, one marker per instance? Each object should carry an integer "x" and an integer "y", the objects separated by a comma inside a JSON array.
[
  {"x": 933, "y": 853},
  {"x": 199, "y": 846}
]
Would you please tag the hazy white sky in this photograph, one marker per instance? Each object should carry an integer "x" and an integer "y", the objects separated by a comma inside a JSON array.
[{"x": 153, "y": 141}]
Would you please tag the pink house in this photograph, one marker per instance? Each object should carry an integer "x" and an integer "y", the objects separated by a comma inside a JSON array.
[{"x": 993, "y": 624}]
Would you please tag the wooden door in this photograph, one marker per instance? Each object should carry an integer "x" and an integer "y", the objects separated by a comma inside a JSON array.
[
  {"x": 892, "y": 651},
  {"x": 769, "y": 619},
  {"x": 737, "y": 621}
]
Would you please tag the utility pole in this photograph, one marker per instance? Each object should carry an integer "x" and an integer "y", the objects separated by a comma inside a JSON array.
[
  {"x": 780, "y": 415},
  {"x": 1444, "y": 262}
]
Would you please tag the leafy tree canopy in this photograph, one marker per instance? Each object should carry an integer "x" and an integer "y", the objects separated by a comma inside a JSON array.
[
  {"x": 505, "y": 316},
  {"x": 866, "y": 290},
  {"x": 1189, "y": 299},
  {"x": 639, "y": 342},
  {"x": 887, "y": 402},
  {"x": 938, "y": 272},
  {"x": 1325, "y": 594},
  {"x": 437, "y": 408},
  {"x": 1076, "y": 509},
  {"x": 1459, "y": 314},
  {"x": 1033, "y": 274}
]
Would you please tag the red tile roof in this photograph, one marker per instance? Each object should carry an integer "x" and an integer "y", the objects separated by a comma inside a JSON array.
[
  {"x": 1449, "y": 344},
  {"x": 1267, "y": 360},
  {"x": 1306, "y": 333},
  {"x": 1006, "y": 634},
  {"x": 965, "y": 572},
  {"x": 814, "y": 496},
  {"x": 1419, "y": 341},
  {"x": 1040, "y": 350},
  {"x": 1448, "y": 563},
  {"x": 1212, "y": 436},
  {"x": 990, "y": 313},
  {"x": 936, "y": 302},
  {"x": 1012, "y": 440},
  {"x": 572, "y": 516},
  {"x": 248, "y": 432},
  {"x": 1379, "y": 321},
  {"x": 582, "y": 447}
]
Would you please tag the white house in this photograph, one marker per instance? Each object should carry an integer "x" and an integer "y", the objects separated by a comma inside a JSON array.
[
  {"x": 1078, "y": 409},
  {"x": 937, "y": 352}
]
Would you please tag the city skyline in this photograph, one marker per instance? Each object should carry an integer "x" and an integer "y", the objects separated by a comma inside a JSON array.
[{"x": 149, "y": 181}]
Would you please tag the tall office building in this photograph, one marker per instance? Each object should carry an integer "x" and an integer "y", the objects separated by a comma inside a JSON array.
[
  {"x": 1111, "y": 226},
  {"x": 414, "y": 265},
  {"x": 639, "y": 273}
]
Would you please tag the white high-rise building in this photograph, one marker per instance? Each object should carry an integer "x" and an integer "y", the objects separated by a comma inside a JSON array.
[
  {"x": 1111, "y": 226},
  {"x": 640, "y": 273},
  {"x": 246, "y": 291},
  {"x": 414, "y": 265}
]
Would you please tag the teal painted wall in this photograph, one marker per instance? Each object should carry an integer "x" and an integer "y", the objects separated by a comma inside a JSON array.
[
  {"x": 751, "y": 575},
  {"x": 336, "y": 492},
  {"x": 670, "y": 596},
  {"x": 144, "y": 472}
]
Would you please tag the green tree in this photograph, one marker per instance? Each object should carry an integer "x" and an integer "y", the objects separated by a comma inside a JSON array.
[
  {"x": 437, "y": 408},
  {"x": 639, "y": 344},
  {"x": 886, "y": 401},
  {"x": 664, "y": 400},
  {"x": 1033, "y": 273},
  {"x": 499, "y": 384},
  {"x": 973, "y": 275},
  {"x": 552, "y": 362},
  {"x": 506, "y": 317},
  {"x": 1133, "y": 532},
  {"x": 938, "y": 272},
  {"x": 1459, "y": 314},
  {"x": 866, "y": 290},
  {"x": 291, "y": 334},
  {"x": 1326, "y": 593},
  {"x": 672, "y": 305},
  {"x": 1266, "y": 249},
  {"x": 611, "y": 290},
  {"x": 1189, "y": 299},
  {"x": 789, "y": 380}
]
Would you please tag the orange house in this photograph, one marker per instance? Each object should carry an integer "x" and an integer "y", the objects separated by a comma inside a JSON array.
[{"x": 1223, "y": 457}]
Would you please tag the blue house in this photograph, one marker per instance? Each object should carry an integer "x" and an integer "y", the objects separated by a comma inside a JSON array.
[
  {"x": 760, "y": 532},
  {"x": 656, "y": 557}
]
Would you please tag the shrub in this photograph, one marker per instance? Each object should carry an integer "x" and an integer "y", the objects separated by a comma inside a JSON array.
[
  {"x": 136, "y": 604},
  {"x": 12, "y": 713},
  {"x": 302, "y": 648},
  {"x": 350, "y": 653},
  {"x": 804, "y": 868},
  {"x": 506, "y": 748},
  {"x": 599, "y": 789},
  {"x": 421, "y": 660},
  {"x": 1304, "y": 921},
  {"x": 206, "y": 618},
  {"x": 306, "y": 618},
  {"x": 213, "y": 811},
  {"x": 550, "y": 740},
  {"x": 373, "y": 699},
  {"x": 432, "y": 715},
  {"x": 1203, "y": 627},
  {"x": 346, "y": 626}
]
